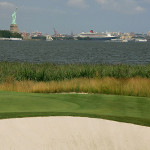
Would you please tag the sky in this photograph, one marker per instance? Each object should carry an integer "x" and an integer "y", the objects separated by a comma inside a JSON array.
[{"x": 77, "y": 16}]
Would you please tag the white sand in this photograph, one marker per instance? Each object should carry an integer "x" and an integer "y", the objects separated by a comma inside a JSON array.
[{"x": 71, "y": 133}]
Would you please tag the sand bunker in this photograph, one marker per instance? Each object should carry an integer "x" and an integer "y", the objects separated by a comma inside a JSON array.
[{"x": 71, "y": 133}]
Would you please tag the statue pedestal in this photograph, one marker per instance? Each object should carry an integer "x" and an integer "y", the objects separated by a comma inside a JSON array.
[{"x": 14, "y": 28}]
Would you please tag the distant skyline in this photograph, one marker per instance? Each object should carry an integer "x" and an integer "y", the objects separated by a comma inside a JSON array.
[{"x": 77, "y": 15}]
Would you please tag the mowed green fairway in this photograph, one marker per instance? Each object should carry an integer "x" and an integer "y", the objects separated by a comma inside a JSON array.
[{"x": 120, "y": 108}]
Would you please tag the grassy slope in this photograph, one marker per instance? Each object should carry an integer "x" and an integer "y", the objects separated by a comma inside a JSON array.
[{"x": 120, "y": 108}]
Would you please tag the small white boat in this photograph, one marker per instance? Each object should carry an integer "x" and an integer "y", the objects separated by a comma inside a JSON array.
[
  {"x": 140, "y": 40},
  {"x": 11, "y": 39},
  {"x": 49, "y": 38},
  {"x": 15, "y": 39}
]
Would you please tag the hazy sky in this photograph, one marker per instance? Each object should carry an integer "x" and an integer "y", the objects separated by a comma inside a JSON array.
[{"x": 77, "y": 15}]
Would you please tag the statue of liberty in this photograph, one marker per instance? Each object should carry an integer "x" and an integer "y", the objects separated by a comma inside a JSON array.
[
  {"x": 14, "y": 26},
  {"x": 14, "y": 17}
]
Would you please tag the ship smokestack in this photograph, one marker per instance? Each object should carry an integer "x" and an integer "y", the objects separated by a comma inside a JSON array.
[{"x": 91, "y": 31}]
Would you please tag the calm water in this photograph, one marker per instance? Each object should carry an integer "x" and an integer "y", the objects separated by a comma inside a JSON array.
[{"x": 69, "y": 52}]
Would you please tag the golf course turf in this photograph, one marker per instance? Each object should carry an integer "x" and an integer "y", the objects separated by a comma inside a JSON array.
[{"x": 129, "y": 109}]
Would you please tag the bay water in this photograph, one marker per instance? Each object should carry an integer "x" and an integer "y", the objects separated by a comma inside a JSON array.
[{"x": 75, "y": 52}]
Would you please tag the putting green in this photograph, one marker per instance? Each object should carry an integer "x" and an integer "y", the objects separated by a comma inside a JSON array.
[{"x": 120, "y": 108}]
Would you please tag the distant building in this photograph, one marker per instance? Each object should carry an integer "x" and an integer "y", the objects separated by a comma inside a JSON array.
[
  {"x": 148, "y": 33},
  {"x": 26, "y": 36},
  {"x": 36, "y": 34},
  {"x": 132, "y": 34},
  {"x": 126, "y": 37}
]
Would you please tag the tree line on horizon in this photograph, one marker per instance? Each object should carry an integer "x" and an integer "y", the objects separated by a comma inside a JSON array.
[{"x": 8, "y": 34}]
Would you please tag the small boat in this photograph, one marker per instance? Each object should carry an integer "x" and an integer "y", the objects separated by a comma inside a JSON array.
[
  {"x": 15, "y": 39},
  {"x": 49, "y": 38},
  {"x": 140, "y": 40},
  {"x": 11, "y": 39}
]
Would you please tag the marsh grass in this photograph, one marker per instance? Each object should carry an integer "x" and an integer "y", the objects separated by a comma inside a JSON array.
[
  {"x": 51, "y": 78},
  {"x": 133, "y": 87},
  {"x": 53, "y": 72}
]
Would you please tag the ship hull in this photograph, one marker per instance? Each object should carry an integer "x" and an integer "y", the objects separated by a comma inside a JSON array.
[{"x": 96, "y": 39}]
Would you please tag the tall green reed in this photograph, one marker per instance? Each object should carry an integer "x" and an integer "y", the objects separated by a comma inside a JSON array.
[{"x": 52, "y": 72}]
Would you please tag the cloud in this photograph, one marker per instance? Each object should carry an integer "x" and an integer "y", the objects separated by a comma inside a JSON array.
[
  {"x": 6, "y": 5},
  {"x": 37, "y": 10},
  {"x": 148, "y": 1},
  {"x": 77, "y": 3},
  {"x": 121, "y": 6},
  {"x": 6, "y": 9}
]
